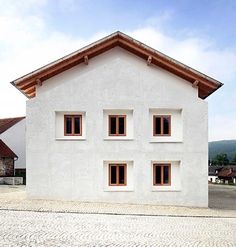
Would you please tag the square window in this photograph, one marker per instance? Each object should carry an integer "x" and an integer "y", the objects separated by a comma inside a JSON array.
[
  {"x": 117, "y": 174},
  {"x": 117, "y": 125},
  {"x": 72, "y": 125},
  {"x": 161, "y": 125},
  {"x": 162, "y": 174}
]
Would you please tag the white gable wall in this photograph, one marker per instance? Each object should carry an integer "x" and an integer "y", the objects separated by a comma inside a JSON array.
[
  {"x": 14, "y": 137},
  {"x": 64, "y": 169}
]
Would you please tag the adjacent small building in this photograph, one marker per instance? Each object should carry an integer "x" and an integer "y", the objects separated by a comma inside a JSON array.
[
  {"x": 13, "y": 135},
  {"x": 7, "y": 160},
  {"x": 213, "y": 173},
  {"x": 227, "y": 174},
  {"x": 118, "y": 121},
  {"x": 222, "y": 174}
]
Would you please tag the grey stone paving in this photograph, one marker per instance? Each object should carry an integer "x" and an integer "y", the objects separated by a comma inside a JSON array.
[
  {"x": 14, "y": 198},
  {"x": 222, "y": 197},
  {"x": 68, "y": 229}
]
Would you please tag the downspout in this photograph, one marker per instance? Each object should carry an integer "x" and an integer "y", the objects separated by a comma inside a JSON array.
[{"x": 15, "y": 159}]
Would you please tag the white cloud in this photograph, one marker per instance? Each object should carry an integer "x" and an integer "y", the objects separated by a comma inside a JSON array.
[
  {"x": 196, "y": 52},
  {"x": 26, "y": 44},
  {"x": 160, "y": 19}
]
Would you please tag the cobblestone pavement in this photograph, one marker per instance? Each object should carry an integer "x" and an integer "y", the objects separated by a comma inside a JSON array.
[{"x": 68, "y": 229}]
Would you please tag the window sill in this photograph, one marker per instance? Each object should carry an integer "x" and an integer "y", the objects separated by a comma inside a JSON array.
[
  {"x": 117, "y": 139},
  {"x": 118, "y": 189},
  {"x": 165, "y": 141},
  {"x": 165, "y": 189},
  {"x": 71, "y": 139}
]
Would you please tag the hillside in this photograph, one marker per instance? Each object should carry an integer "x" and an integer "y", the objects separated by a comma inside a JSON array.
[{"x": 225, "y": 146}]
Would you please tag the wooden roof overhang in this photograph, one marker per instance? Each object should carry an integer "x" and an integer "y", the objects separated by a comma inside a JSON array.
[{"x": 27, "y": 83}]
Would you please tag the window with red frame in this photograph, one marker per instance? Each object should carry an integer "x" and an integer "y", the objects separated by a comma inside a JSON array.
[
  {"x": 161, "y": 125},
  {"x": 73, "y": 125},
  {"x": 161, "y": 174}
]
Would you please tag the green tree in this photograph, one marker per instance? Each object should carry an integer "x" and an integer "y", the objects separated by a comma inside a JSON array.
[
  {"x": 234, "y": 158},
  {"x": 220, "y": 160}
]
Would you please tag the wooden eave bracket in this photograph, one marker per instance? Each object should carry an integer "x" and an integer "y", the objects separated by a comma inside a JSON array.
[
  {"x": 149, "y": 60},
  {"x": 86, "y": 60},
  {"x": 195, "y": 84},
  {"x": 39, "y": 82}
]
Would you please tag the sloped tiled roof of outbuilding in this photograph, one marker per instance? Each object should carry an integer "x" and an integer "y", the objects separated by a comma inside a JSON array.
[
  {"x": 205, "y": 84},
  {"x": 229, "y": 171},
  {"x": 5, "y": 151},
  {"x": 6, "y": 123}
]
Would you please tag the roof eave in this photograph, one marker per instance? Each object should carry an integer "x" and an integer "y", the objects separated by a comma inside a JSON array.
[
  {"x": 13, "y": 83},
  {"x": 122, "y": 39}
]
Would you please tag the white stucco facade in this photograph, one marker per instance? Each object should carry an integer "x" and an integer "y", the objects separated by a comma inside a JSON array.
[
  {"x": 15, "y": 137},
  {"x": 117, "y": 81}
]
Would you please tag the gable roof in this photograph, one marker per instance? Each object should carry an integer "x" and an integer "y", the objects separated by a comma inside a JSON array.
[
  {"x": 6, "y": 123},
  {"x": 5, "y": 151},
  {"x": 227, "y": 172},
  {"x": 27, "y": 83}
]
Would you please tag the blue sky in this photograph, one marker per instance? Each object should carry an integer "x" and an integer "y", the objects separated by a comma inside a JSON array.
[
  {"x": 201, "y": 34},
  {"x": 215, "y": 18}
]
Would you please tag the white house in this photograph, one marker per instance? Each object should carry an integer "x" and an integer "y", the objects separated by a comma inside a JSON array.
[
  {"x": 117, "y": 121},
  {"x": 12, "y": 133}
]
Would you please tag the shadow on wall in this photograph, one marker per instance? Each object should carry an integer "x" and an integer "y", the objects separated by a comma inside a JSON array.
[{"x": 21, "y": 173}]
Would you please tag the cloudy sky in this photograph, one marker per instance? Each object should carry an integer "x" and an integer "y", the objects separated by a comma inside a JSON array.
[{"x": 201, "y": 34}]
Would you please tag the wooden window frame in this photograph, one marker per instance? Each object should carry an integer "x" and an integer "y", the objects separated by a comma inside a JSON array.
[
  {"x": 72, "y": 125},
  {"x": 162, "y": 125},
  {"x": 117, "y": 124},
  {"x": 162, "y": 174},
  {"x": 117, "y": 175}
]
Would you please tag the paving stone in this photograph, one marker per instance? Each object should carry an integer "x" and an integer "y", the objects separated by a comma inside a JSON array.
[
  {"x": 15, "y": 198},
  {"x": 43, "y": 229}
]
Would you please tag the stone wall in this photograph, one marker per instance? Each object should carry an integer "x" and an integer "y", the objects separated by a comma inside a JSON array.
[
  {"x": 6, "y": 167},
  {"x": 11, "y": 180}
]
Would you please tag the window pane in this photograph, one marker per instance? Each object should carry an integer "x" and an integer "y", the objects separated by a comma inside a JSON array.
[
  {"x": 113, "y": 125},
  {"x": 166, "y": 123},
  {"x": 77, "y": 125},
  {"x": 157, "y": 175},
  {"x": 166, "y": 175},
  {"x": 157, "y": 126},
  {"x": 113, "y": 174},
  {"x": 121, "y": 174},
  {"x": 68, "y": 125},
  {"x": 121, "y": 125}
]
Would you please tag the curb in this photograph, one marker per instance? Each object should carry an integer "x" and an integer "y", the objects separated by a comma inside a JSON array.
[{"x": 118, "y": 214}]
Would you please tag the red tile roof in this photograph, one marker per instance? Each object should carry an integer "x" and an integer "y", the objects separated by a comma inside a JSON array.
[
  {"x": 7, "y": 123},
  {"x": 5, "y": 151},
  {"x": 227, "y": 172}
]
